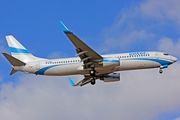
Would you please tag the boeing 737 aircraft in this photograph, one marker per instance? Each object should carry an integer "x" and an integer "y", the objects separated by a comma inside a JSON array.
[{"x": 88, "y": 63}]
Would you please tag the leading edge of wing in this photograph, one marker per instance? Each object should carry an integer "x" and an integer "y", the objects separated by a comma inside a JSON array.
[{"x": 81, "y": 47}]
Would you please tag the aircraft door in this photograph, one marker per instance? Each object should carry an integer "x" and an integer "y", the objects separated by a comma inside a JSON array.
[
  {"x": 37, "y": 66},
  {"x": 157, "y": 56}
]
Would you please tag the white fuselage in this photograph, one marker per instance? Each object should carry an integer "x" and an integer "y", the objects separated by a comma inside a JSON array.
[{"x": 72, "y": 66}]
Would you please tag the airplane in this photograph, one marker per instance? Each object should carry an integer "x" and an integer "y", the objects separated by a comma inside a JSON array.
[{"x": 88, "y": 63}]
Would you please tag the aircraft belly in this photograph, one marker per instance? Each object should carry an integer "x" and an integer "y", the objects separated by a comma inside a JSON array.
[
  {"x": 99, "y": 70},
  {"x": 135, "y": 64},
  {"x": 105, "y": 70}
]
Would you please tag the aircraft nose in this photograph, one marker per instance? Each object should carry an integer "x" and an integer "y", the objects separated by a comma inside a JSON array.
[{"x": 174, "y": 59}]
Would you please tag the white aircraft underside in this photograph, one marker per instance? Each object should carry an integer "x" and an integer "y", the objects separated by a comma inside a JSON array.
[{"x": 89, "y": 63}]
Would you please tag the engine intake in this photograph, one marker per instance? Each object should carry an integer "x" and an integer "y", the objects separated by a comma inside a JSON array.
[
  {"x": 112, "y": 77},
  {"x": 110, "y": 62}
]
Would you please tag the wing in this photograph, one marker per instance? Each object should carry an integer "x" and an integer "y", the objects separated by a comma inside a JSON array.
[
  {"x": 86, "y": 54},
  {"x": 83, "y": 82}
]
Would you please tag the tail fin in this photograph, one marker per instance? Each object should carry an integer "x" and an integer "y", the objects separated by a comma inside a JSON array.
[{"x": 19, "y": 51}]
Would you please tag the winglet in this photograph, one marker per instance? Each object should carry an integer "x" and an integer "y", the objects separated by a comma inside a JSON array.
[
  {"x": 64, "y": 28},
  {"x": 71, "y": 81}
]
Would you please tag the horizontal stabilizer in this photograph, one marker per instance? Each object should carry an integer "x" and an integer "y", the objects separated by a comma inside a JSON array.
[
  {"x": 14, "y": 61},
  {"x": 13, "y": 71}
]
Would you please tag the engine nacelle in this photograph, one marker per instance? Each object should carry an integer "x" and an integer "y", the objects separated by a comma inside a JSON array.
[
  {"x": 110, "y": 62},
  {"x": 113, "y": 77}
]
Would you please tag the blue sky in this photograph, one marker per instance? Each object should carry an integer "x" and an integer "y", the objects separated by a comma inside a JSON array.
[{"x": 108, "y": 27}]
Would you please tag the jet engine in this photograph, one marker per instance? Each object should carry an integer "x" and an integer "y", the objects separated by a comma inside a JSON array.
[
  {"x": 112, "y": 77},
  {"x": 110, "y": 62}
]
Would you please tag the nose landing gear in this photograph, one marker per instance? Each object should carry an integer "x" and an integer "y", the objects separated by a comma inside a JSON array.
[
  {"x": 160, "y": 71},
  {"x": 162, "y": 67}
]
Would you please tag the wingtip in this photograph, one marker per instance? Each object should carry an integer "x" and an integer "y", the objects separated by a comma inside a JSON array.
[
  {"x": 64, "y": 28},
  {"x": 71, "y": 81}
]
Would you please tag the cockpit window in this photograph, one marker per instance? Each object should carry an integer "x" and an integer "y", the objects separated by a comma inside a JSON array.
[{"x": 166, "y": 54}]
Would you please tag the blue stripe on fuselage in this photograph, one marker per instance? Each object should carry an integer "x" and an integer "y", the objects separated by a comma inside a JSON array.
[{"x": 43, "y": 70}]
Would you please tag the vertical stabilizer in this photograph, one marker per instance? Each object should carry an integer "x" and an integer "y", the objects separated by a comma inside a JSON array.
[{"x": 19, "y": 51}]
